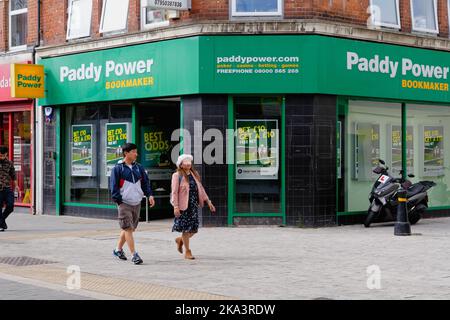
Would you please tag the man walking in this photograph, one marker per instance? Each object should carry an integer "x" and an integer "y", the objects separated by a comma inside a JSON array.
[
  {"x": 129, "y": 183},
  {"x": 7, "y": 185}
]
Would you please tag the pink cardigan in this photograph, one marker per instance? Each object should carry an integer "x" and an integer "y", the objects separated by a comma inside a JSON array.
[{"x": 180, "y": 192}]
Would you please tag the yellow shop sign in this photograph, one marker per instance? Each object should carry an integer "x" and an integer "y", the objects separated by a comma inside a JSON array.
[{"x": 27, "y": 81}]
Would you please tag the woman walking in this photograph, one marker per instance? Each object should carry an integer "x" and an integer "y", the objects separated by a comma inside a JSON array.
[{"x": 187, "y": 195}]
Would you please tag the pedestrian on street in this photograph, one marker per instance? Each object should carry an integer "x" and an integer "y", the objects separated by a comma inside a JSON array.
[
  {"x": 187, "y": 195},
  {"x": 129, "y": 183},
  {"x": 7, "y": 185}
]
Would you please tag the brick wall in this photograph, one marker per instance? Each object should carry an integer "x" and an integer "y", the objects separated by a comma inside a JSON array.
[
  {"x": 443, "y": 18},
  {"x": 405, "y": 15},
  {"x": 96, "y": 18},
  {"x": 54, "y": 16},
  {"x": 3, "y": 25},
  {"x": 134, "y": 16},
  {"x": 349, "y": 11},
  {"x": 53, "y": 21},
  {"x": 32, "y": 36}
]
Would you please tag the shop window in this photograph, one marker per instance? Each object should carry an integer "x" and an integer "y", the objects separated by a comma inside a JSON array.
[
  {"x": 18, "y": 12},
  {"x": 385, "y": 13},
  {"x": 114, "y": 16},
  {"x": 95, "y": 134},
  {"x": 424, "y": 16},
  {"x": 246, "y": 8},
  {"x": 430, "y": 125},
  {"x": 79, "y": 19},
  {"x": 257, "y": 155},
  {"x": 372, "y": 132}
]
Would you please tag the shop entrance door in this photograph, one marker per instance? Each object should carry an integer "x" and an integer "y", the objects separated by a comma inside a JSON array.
[
  {"x": 15, "y": 133},
  {"x": 156, "y": 120}
]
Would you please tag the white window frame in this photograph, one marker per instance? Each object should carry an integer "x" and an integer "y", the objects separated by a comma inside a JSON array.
[
  {"x": 148, "y": 26},
  {"x": 278, "y": 13},
  {"x": 14, "y": 13},
  {"x": 69, "y": 22},
  {"x": 101, "y": 30},
  {"x": 387, "y": 25},
  {"x": 414, "y": 28}
]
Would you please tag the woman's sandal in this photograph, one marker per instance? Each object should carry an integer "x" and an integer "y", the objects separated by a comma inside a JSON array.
[
  {"x": 188, "y": 255},
  {"x": 179, "y": 242}
]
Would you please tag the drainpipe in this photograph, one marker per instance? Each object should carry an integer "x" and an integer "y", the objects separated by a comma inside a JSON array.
[{"x": 33, "y": 206}]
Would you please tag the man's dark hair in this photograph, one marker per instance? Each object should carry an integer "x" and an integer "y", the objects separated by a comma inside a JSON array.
[
  {"x": 3, "y": 149},
  {"x": 127, "y": 147}
]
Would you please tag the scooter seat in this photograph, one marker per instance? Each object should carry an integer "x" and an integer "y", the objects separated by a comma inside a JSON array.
[{"x": 414, "y": 189}]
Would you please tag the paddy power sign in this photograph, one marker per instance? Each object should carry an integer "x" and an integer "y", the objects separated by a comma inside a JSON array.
[
  {"x": 435, "y": 74},
  {"x": 27, "y": 81},
  {"x": 269, "y": 64}
]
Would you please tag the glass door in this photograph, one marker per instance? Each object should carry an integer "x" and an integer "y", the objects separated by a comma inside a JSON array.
[
  {"x": 21, "y": 157},
  {"x": 15, "y": 133},
  {"x": 157, "y": 120}
]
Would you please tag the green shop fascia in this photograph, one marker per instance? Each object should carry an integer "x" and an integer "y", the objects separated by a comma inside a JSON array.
[{"x": 335, "y": 106}]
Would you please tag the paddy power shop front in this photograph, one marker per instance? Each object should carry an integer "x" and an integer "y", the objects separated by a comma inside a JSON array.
[{"x": 282, "y": 132}]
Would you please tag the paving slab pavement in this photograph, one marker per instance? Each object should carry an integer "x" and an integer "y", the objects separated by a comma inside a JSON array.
[{"x": 239, "y": 263}]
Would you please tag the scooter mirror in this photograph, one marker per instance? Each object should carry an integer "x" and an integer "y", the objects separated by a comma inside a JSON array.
[
  {"x": 411, "y": 175},
  {"x": 381, "y": 161}
]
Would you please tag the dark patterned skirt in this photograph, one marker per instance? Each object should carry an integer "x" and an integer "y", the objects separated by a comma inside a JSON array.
[{"x": 188, "y": 220}]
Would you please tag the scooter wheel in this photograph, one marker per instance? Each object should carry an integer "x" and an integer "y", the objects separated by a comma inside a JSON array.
[
  {"x": 414, "y": 218},
  {"x": 369, "y": 219}
]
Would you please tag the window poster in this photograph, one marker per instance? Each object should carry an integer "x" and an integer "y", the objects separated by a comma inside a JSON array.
[
  {"x": 81, "y": 155},
  {"x": 117, "y": 134},
  {"x": 156, "y": 148},
  {"x": 433, "y": 165},
  {"x": 257, "y": 149},
  {"x": 366, "y": 151}
]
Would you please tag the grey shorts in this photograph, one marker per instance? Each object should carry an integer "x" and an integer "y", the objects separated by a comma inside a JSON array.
[{"x": 129, "y": 216}]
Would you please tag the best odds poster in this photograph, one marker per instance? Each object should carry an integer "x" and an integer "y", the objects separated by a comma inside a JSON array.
[
  {"x": 82, "y": 150},
  {"x": 257, "y": 149},
  {"x": 116, "y": 136},
  {"x": 155, "y": 152},
  {"x": 433, "y": 165}
]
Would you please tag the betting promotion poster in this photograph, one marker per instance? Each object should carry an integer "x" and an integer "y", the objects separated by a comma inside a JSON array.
[
  {"x": 82, "y": 150},
  {"x": 433, "y": 165},
  {"x": 257, "y": 149},
  {"x": 116, "y": 136}
]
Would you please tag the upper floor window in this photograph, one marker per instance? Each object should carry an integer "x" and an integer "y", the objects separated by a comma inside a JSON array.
[
  {"x": 385, "y": 13},
  {"x": 153, "y": 17},
  {"x": 246, "y": 8},
  {"x": 114, "y": 16},
  {"x": 79, "y": 19},
  {"x": 424, "y": 16},
  {"x": 18, "y": 12}
]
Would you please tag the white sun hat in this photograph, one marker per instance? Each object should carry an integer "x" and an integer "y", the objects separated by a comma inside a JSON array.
[{"x": 183, "y": 157}]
